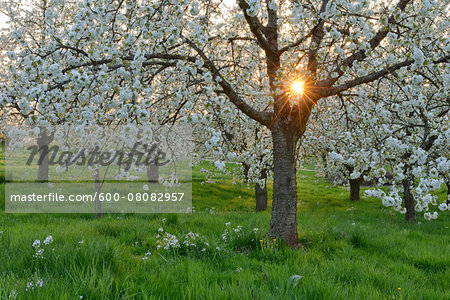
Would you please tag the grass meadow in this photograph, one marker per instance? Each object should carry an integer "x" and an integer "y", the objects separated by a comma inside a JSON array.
[{"x": 222, "y": 251}]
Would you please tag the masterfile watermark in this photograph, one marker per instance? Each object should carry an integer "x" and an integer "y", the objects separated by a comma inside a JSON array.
[
  {"x": 150, "y": 155},
  {"x": 102, "y": 197},
  {"x": 93, "y": 168}
]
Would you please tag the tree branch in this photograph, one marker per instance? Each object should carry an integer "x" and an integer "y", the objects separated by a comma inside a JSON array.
[
  {"x": 257, "y": 29},
  {"x": 330, "y": 91},
  {"x": 261, "y": 117},
  {"x": 272, "y": 27},
  {"x": 361, "y": 54},
  {"x": 316, "y": 39},
  {"x": 323, "y": 90},
  {"x": 295, "y": 44}
]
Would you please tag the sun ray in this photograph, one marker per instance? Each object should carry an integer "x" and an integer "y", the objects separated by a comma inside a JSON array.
[
  {"x": 298, "y": 95},
  {"x": 298, "y": 87}
]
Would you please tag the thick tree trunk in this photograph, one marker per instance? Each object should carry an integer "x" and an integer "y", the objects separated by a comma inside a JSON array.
[
  {"x": 409, "y": 200},
  {"x": 283, "y": 223},
  {"x": 355, "y": 186},
  {"x": 261, "y": 193},
  {"x": 152, "y": 173},
  {"x": 43, "y": 141}
]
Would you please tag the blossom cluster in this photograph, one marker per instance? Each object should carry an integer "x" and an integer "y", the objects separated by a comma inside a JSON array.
[{"x": 39, "y": 248}]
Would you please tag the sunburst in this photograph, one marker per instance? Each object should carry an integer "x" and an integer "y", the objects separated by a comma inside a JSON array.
[{"x": 297, "y": 87}]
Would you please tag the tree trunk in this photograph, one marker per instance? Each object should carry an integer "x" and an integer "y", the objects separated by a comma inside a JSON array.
[
  {"x": 325, "y": 165},
  {"x": 409, "y": 200},
  {"x": 43, "y": 141},
  {"x": 448, "y": 192},
  {"x": 43, "y": 165},
  {"x": 153, "y": 173},
  {"x": 261, "y": 193},
  {"x": 283, "y": 223},
  {"x": 261, "y": 197},
  {"x": 245, "y": 171},
  {"x": 98, "y": 203},
  {"x": 355, "y": 185}
]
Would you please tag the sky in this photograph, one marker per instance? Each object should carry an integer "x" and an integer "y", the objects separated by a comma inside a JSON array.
[{"x": 3, "y": 19}]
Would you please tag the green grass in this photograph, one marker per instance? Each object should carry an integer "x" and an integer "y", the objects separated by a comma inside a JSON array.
[{"x": 350, "y": 251}]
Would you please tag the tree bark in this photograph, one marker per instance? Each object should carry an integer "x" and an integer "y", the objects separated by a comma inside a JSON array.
[
  {"x": 325, "y": 164},
  {"x": 153, "y": 173},
  {"x": 355, "y": 186},
  {"x": 245, "y": 171},
  {"x": 409, "y": 200},
  {"x": 98, "y": 203},
  {"x": 448, "y": 192},
  {"x": 43, "y": 141},
  {"x": 283, "y": 223},
  {"x": 261, "y": 193},
  {"x": 261, "y": 197}
]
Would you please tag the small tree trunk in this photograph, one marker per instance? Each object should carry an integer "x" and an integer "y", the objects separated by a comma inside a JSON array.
[
  {"x": 325, "y": 164},
  {"x": 355, "y": 186},
  {"x": 261, "y": 197},
  {"x": 43, "y": 141},
  {"x": 98, "y": 203},
  {"x": 409, "y": 200},
  {"x": 448, "y": 192},
  {"x": 43, "y": 166},
  {"x": 245, "y": 171},
  {"x": 283, "y": 223},
  {"x": 261, "y": 193},
  {"x": 153, "y": 173}
]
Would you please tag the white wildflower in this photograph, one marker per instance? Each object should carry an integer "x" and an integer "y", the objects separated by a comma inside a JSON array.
[
  {"x": 48, "y": 240},
  {"x": 36, "y": 243}
]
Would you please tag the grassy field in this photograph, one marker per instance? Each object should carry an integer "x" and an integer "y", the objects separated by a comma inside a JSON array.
[{"x": 350, "y": 251}]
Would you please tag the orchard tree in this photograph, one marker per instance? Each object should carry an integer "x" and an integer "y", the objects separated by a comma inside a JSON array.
[
  {"x": 111, "y": 51},
  {"x": 415, "y": 114},
  {"x": 231, "y": 137},
  {"x": 344, "y": 143},
  {"x": 29, "y": 27}
]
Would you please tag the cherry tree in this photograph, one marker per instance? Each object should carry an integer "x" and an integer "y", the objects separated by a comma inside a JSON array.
[
  {"x": 28, "y": 27},
  {"x": 399, "y": 129},
  {"x": 415, "y": 113},
  {"x": 231, "y": 137},
  {"x": 111, "y": 53},
  {"x": 343, "y": 143}
]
